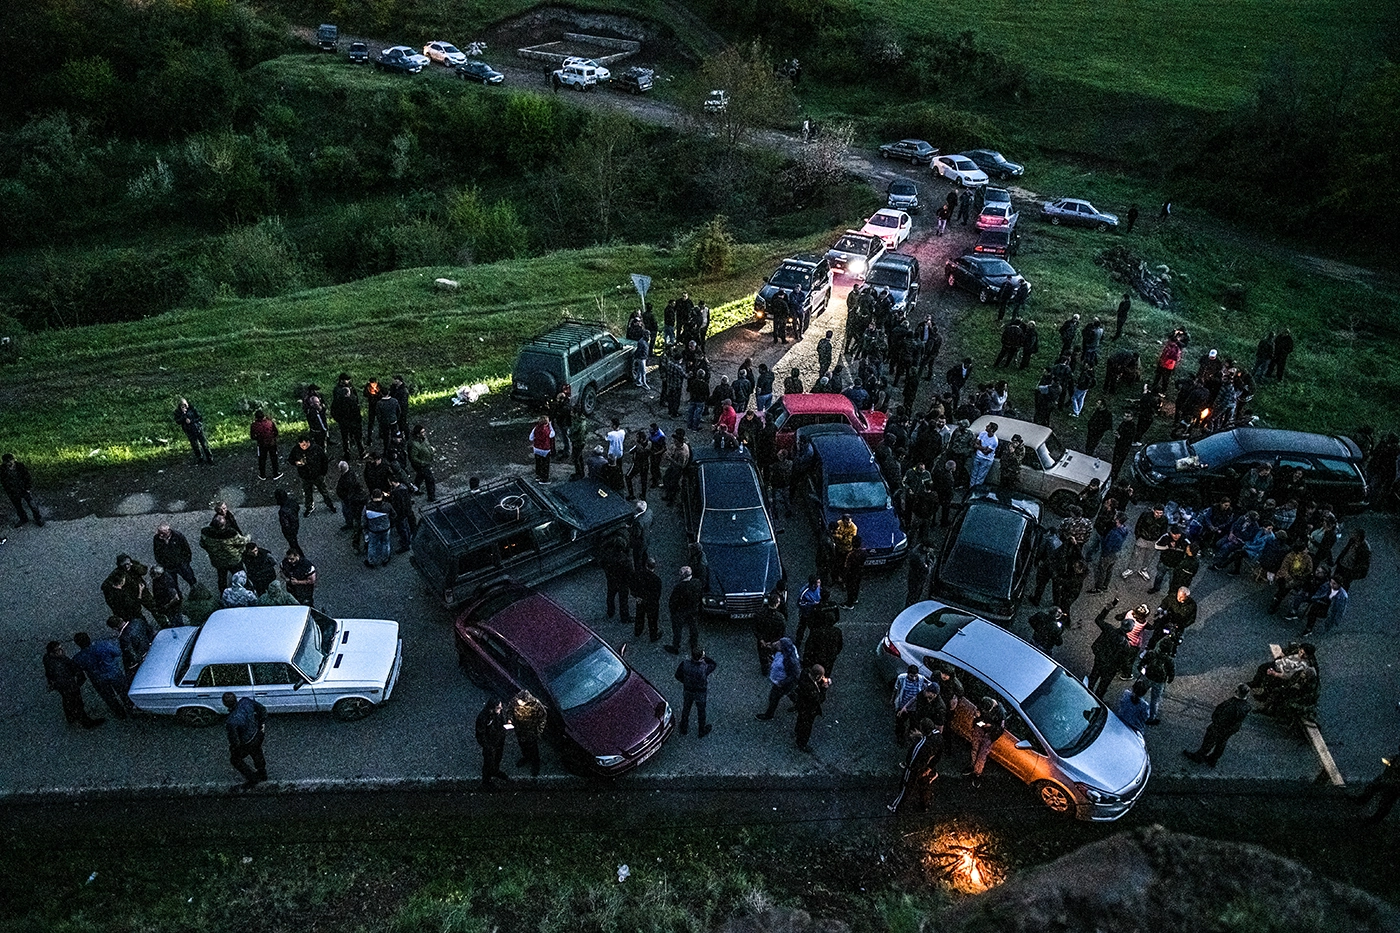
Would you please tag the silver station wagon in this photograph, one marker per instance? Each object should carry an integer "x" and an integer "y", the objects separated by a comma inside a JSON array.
[{"x": 291, "y": 659}]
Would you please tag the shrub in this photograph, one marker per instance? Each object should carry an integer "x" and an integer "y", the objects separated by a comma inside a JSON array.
[
  {"x": 257, "y": 261},
  {"x": 712, "y": 248},
  {"x": 954, "y": 129}
]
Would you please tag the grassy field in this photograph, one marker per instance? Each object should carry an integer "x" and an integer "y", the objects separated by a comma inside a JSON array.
[
  {"x": 104, "y": 394},
  {"x": 1192, "y": 52}
]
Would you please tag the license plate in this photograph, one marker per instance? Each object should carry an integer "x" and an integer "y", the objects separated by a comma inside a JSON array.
[{"x": 877, "y": 562}]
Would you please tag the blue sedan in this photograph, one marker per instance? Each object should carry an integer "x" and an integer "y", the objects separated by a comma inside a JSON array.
[{"x": 840, "y": 476}]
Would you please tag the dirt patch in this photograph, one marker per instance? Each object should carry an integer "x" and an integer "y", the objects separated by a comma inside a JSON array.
[{"x": 548, "y": 24}]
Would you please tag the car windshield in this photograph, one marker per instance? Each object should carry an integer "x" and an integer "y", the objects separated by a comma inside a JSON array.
[
  {"x": 585, "y": 675},
  {"x": 888, "y": 277},
  {"x": 903, "y": 188},
  {"x": 884, "y": 220},
  {"x": 964, "y": 165},
  {"x": 317, "y": 639},
  {"x": 450, "y": 49},
  {"x": 788, "y": 277},
  {"x": 1053, "y": 448},
  {"x": 1065, "y": 713},
  {"x": 1218, "y": 448},
  {"x": 996, "y": 267},
  {"x": 857, "y": 495},
  {"x": 735, "y": 526},
  {"x": 850, "y": 244}
]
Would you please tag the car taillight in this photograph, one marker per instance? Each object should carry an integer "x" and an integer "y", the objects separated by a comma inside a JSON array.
[{"x": 888, "y": 647}]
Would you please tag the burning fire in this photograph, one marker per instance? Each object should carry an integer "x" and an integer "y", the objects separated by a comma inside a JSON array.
[
  {"x": 1205, "y": 413},
  {"x": 964, "y": 860}
]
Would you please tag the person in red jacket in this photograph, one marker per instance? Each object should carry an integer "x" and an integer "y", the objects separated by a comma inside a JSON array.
[
  {"x": 542, "y": 445},
  {"x": 264, "y": 433},
  {"x": 1166, "y": 366}
]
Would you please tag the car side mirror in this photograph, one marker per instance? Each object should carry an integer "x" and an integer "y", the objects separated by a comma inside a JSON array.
[
  {"x": 622, "y": 650},
  {"x": 1025, "y": 745},
  {"x": 298, "y": 685}
]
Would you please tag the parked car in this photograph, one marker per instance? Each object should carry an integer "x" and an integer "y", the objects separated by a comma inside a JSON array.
[
  {"x": 981, "y": 275},
  {"x": 606, "y": 717},
  {"x": 1060, "y": 739},
  {"x": 1201, "y": 472},
  {"x": 730, "y": 534},
  {"x": 900, "y": 274},
  {"x": 992, "y": 195},
  {"x": 359, "y": 53},
  {"x": 902, "y": 195},
  {"x": 444, "y": 53},
  {"x": 841, "y": 477},
  {"x": 854, "y": 253},
  {"x": 1003, "y": 242},
  {"x": 1079, "y": 213},
  {"x": 998, "y": 216},
  {"x": 810, "y": 271},
  {"x": 959, "y": 170},
  {"x": 798, "y": 409},
  {"x": 891, "y": 226},
  {"x": 585, "y": 357},
  {"x": 578, "y": 77},
  {"x": 717, "y": 102},
  {"x": 914, "y": 151},
  {"x": 1049, "y": 471},
  {"x": 402, "y": 59},
  {"x": 291, "y": 659},
  {"x": 476, "y": 70},
  {"x": 995, "y": 164},
  {"x": 328, "y": 37},
  {"x": 604, "y": 75},
  {"x": 637, "y": 80},
  {"x": 516, "y": 528},
  {"x": 988, "y": 554}
]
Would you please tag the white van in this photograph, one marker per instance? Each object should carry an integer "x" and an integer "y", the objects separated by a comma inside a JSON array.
[
  {"x": 603, "y": 74},
  {"x": 578, "y": 77}
]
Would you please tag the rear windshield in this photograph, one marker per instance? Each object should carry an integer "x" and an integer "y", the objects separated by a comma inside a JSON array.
[
  {"x": 933, "y": 632},
  {"x": 980, "y": 566}
]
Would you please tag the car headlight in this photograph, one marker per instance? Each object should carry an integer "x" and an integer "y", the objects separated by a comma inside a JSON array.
[
  {"x": 609, "y": 761},
  {"x": 1098, "y": 796},
  {"x": 666, "y": 717},
  {"x": 856, "y": 265},
  {"x": 1155, "y": 476},
  {"x": 714, "y": 602}
]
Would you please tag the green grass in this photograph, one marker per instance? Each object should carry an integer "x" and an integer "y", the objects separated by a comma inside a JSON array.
[
  {"x": 1194, "y": 52},
  {"x": 104, "y": 394}
]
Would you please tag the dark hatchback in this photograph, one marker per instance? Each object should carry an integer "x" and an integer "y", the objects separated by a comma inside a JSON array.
[
  {"x": 987, "y": 556},
  {"x": 983, "y": 276},
  {"x": 729, "y": 533},
  {"x": 607, "y": 717},
  {"x": 841, "y": 476},
  {"x": 1213, "y": 466},
  {"x": 1000, "y": 242}
]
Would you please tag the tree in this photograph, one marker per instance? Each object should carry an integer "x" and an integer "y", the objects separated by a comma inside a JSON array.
[{"x": 757, "y": 96}]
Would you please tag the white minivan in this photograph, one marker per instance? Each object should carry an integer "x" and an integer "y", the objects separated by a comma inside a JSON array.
[{"x": 578, "y": 77}]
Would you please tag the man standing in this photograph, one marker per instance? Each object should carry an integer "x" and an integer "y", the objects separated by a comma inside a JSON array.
[
  {"x": 247, "y": 726},
  {"x": 1047, "y": 629},
  {"x": 920, "y": 764},
  {"x": 783, "y": 672},
  {"x": 491, "y": 736},
  {"x": 1124, "y": 306},
  {"x": 1386, "y": 785},
  {"x": 984, "y": 455},
  {"x": 987, "y": 727},
  {"x": 1158, "y": 670},
  {"x": 172, "y": 551},
  {"x": 1110, "y": 547},
  {"x": 192, "y": 423},
  {"x": 66, "y": 679},
  {"x": 694, "y": 675},
  {"x": 853, "y": 571},
  {"x": 300, "y": 575},
  {"x": 312, "y": 465},
  {"x": 527, "y": 718},
  {"x": 1283, "y": 348},
  {"x": 684, "y": 605},
  {"x": 345, "y": 412},
  {"x": 646, "y": 586},
  {"x": 420, "y": 457},
  {"x": 263, "y": 431},
  {"x": 1132, "y": 708},
  {"x": 224, "y": 545},
  {"x": 542, "y": 446},
  {"x": 907, "y": 687},
  {"x": 808, "y": 699},
  {"x": 14, "y": 477},
  {"x": 1225, "y": 721},
  {"x": 102, "y": 662}
]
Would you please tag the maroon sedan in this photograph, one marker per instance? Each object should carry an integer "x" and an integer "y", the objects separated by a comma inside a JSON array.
[
  {"x": 608, "y": 718},
  {"x": 797, "y": 410}
]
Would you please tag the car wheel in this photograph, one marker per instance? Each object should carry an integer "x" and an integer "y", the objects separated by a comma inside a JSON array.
[
  {"x": 1100, "y": 228},
  {"x": 1054, "y": 797},
  {"x": 952, "y": 280},
  {"x": 196, "y": 716},
  {"x": 352, "y": 709},
  {"x": 1054, "y": 221},
  {"x": 589, "y": 403},
  {"x": 1060, "y": 501},
  {"x": 984, "y": 295}
]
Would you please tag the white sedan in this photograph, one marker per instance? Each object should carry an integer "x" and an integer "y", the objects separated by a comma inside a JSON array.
[
  {"x": 960, "y": 170},
  {"x": 291, "y": 659},
  {"x": 889, "y": 225},
  {"x": 445, "y": 53}
]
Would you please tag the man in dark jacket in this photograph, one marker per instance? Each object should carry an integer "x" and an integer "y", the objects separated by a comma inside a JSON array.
[
  {"x": 192, "y": 423},
  {"x": 684, "y": 605},
  {"x": 646, "y": 586},
  {"x": 312, "y": 465},
  {"x": 1124, "y": 307},
  {"x": 263, "y": 431},
  {"x": 345, "y": 412},
  {"x": 491, "y": 736},
  {"x": 66, "y": 679},
  {"x": 1047, "y": 629},
  {"x": 1110, "y": 650},
  {"x": 694, "y": 675},
  {"x": 1283, "y": 348},
  {"x": 172, "y": 551},
  {"x": 1225, "y": 721},
  {"x": 920, "y": 765},
  {"x": 808, "y": 698},
  {"x": 15, "y": 479},
  {"x": 353, "y": 496}
]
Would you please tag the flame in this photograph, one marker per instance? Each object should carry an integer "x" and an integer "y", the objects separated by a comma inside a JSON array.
[{"x": 1205, "y": 413}]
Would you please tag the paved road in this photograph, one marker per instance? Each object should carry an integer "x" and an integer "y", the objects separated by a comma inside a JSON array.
[{"x": 51, "y": 582}]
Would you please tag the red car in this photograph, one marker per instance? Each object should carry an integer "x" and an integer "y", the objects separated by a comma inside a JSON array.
[
  {"x": 608, "y": 718},
  {"x": 791, "y": 412}
]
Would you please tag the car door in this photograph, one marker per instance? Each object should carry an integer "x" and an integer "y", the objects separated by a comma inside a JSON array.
[
  {"x": 1016, "y": 748},
  {"x": 519, "y": 555},
  {"x": 618, "y": 359},
  {"x": 279, "y": 687},
  {"x": 1033, "y": 478},
  {"x": 1338, "y": 481},
  {"x": 691, "y": 502},
  {"x": 557, "y": 548},
  {"x": 217, "y": 679}
]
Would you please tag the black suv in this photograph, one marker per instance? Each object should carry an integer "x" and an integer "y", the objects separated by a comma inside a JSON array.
[
  {"x": 731, "y": 537},
  {"x": 583, "y": 356},
  {"x": 900, "y": 274},
  {"x": 636, "y": 80},
  {"x": 514, "y": 528},
  {"x": 809, "y": 270}
]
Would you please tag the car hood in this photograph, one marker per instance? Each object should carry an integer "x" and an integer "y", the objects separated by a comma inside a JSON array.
[
  {"x": 879, "y": 530},
  {"x": 743, "y": 569},
  {"x": 157, "y": 671},
  {"x": 1165, "y": 456},
  {"x": 364, "y": 652},
  {"x": 1115, "y": 761},
  {"x": 1080, "y": 468},
  {"x": 619, "y": 722}
]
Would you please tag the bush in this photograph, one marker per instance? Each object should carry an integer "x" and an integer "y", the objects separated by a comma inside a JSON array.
[
  {"x": 712, "y": 248},
  {"x": 257, "y": 261},
  {"x": 954, "y": 129},
  {"x": 489, "y": 232}
]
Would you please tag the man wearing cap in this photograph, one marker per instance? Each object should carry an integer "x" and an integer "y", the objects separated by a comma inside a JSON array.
[{"x": 1225, "y": 721}]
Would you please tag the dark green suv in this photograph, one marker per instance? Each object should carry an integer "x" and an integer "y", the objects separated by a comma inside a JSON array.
[{"x": 586, "y": 357}]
